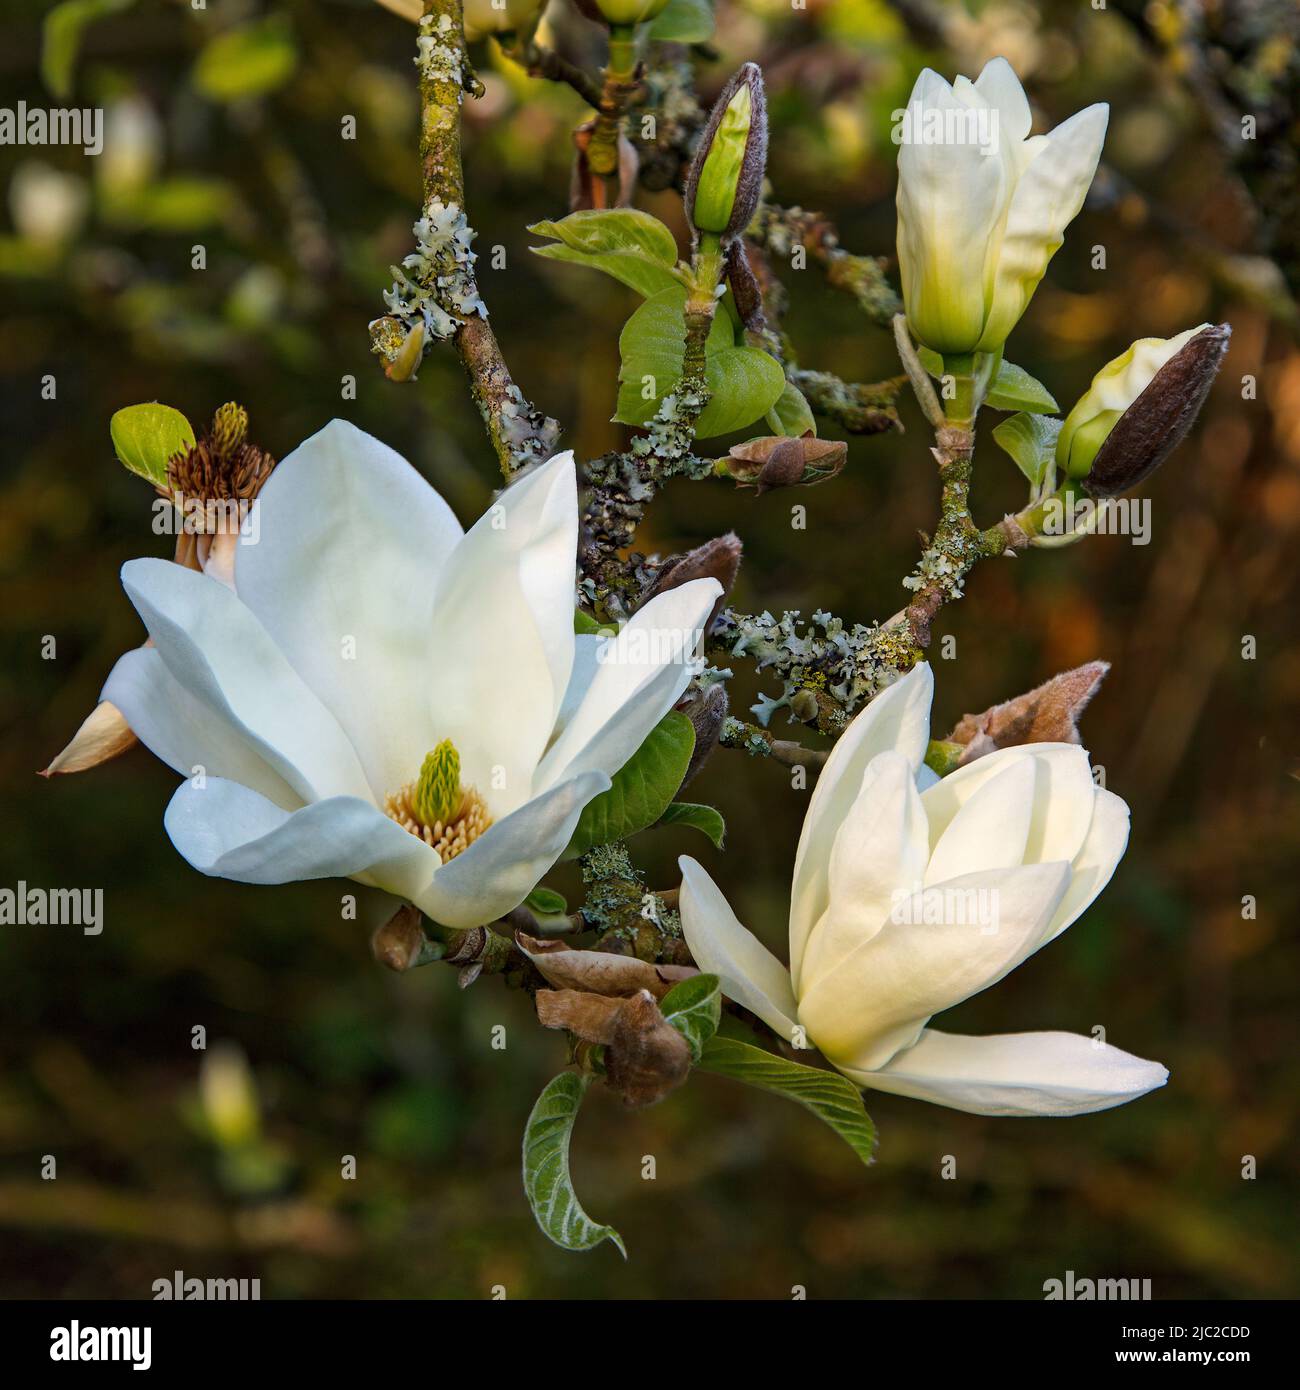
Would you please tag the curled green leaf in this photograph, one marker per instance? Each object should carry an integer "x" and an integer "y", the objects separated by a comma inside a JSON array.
[
  {"x": 700, "y": 817},
  {"x": 547, "y": 1181},
  {"x": 146, "y": 436},
  {"x": 642, "y": 788},
  {"x": 694, "y": 1008}
]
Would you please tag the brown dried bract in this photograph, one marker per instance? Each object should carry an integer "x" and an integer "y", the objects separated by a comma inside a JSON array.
[
  {"x": 646, "y": 1057},
  {"x": 1048, "y": 714},
  {"x": 599, "y": 972}
]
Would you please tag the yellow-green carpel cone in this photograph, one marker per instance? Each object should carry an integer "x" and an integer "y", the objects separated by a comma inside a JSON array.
[{"x": 446, "y": 815}]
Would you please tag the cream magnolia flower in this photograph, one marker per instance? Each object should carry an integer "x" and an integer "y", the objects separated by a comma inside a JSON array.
[
  {"x": 911, "y": 894},
  {"x": 386, "y": 698},
  {"x": 982, "y": 204},
  {"x": 1119, "y": 383}
]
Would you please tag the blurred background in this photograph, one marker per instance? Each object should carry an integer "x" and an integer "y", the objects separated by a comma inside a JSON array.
[{"x": 224, "y": 130}]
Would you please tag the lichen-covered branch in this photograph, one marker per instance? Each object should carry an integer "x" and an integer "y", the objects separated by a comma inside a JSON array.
[
  {"x": 781, "y": 230},
  {"x": 435, "y": 292}
]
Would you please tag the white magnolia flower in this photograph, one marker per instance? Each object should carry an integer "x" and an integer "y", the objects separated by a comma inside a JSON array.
[
  {"x": 1119, "y": 383},
  {"x": 907, "y": 900},
  {"x": 386, "y": 698},
  {"x": 982, "y": 204}
]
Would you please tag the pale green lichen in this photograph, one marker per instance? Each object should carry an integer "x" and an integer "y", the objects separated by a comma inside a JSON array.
[
  {"x": 434, "y": 285},
  {"x": 438, "y": 60}
]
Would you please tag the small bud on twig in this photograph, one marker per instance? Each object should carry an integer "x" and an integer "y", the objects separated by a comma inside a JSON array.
[{"x": 774, "y": 460}]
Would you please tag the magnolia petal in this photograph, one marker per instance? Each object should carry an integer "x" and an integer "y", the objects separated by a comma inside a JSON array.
[
  {"x": 1000, "y": 87},
  {"x": 879, "y": 996},
  {"x": 586, "y": 657},
  {"x": 880, "y": 850},
  {"x": 502, "y": 636},
  {"x": 104, "y": 733},
  {"x": 1063, "y": 797},
  {"x": 229, "y": 831},
  {"x": 898, "y": 719},
  {"x": 219, "y": 652},
  {"x": 1016, "y": 1074},
  {"x": 1095, "y": 863},
  {"x": 991, "y": 828},
  {"x": 499, "y": 870},
  {"x": 183, "y": 732},
  {"x": 749, "y": 972},
  {"x": 951, "y": 200},
  {"x": 352, "y": 540},
  {"x": 1048, "y": 195},
  {"x": 640, "y": 674}
]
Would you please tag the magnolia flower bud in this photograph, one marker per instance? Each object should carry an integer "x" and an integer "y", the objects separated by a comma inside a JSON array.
[
  {"x": 726, "y": 175},
  {"x": 1138, "y": 408},
  {"x": 982, "y": 204},
  {"x": 776, "y": 460}
]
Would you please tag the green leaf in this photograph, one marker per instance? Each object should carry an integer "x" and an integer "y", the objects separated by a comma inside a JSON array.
[
  {"x": 585, "y": 623},
  {"x": 694, "y": 1008},
  {"x": 833, "y": 1098},
  {"x": 684, "y": 21},
  {"x": 61, "y": 38},
  {"x": 704, "y": 818},
  {"x": 632, "y": 246},
  {"x": 546, "y": 902},
  {"x": 1014, "y": 389},
  {"x": 791, "y": 415},
  {"x": 146, "y": 436},
  {"x": 249, "y": 61},
  {"x": 547, "y": 1182},
  {"x": 642, "y": 788},
  {"x": 744, "y": 383},
  {"x": 1031, "y": 441}
]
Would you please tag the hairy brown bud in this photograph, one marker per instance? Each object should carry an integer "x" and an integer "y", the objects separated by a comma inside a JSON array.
[
  {"x": 707, "y": 710},
  {"x": 1047, "y": 714},
  {"x": 1158, "y": 420},
  {"x": 716, "y": 559}
]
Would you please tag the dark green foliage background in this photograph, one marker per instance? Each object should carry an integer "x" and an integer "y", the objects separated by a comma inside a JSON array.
[{"x": 751, "y": 1195}]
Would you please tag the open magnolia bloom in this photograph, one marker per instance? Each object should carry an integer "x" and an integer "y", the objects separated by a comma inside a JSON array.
[
  {"x": 982, "y": 204},
  {"x": 907, "y": 900},
  {"x": 383, "y": 697}
]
